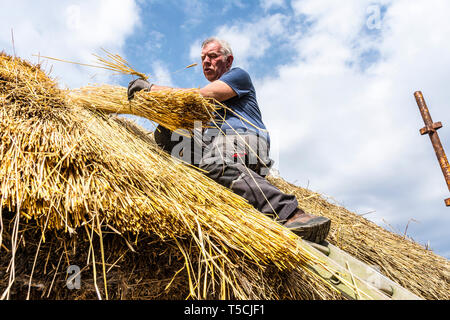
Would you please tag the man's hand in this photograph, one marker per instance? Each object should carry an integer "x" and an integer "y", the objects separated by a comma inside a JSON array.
[{"x": 138, "y": 85}]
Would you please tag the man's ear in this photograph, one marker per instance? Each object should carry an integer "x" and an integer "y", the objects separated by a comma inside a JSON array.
[{"x": 229, "y": 61}]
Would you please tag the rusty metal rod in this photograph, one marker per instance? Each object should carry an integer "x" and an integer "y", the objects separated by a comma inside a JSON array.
[{"x": 431, "y": 129}]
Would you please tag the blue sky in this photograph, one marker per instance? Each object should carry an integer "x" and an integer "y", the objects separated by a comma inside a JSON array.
[{"x": 334, "y": 79}]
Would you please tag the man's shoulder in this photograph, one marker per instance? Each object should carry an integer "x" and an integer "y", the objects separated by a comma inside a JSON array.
[{"x": 237, "y": 73}]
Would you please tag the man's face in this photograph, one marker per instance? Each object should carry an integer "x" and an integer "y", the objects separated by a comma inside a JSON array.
[{"x": 213, "y": 61}]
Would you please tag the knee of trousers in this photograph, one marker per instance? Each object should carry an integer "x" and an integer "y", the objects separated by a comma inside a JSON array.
[
  {"x": 245, "y": 187},
  {"x": 264, "y": 196},
  {"x": 221, "y": 172},
  {"x": 253, "y": 191}
]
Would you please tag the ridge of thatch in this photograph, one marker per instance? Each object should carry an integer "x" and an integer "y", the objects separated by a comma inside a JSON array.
[{"x": 404, "y": 261}]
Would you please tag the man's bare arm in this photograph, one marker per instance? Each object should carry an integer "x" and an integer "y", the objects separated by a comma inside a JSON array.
[{"x": 218, "y": 90}]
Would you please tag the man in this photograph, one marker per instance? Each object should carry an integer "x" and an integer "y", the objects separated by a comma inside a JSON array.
[{"x": 236, "y": 154}]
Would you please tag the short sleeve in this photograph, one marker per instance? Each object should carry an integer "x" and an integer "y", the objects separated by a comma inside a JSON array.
[{"x": 239, "y": 80}]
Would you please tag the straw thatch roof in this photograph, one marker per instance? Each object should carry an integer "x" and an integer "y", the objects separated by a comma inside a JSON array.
[
  {"x": 73, "y": 171},
  {"x": 398, "y": 257},
  {"x": 80, "y": 187}
]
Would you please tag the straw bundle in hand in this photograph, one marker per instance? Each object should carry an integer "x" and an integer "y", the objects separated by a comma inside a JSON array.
[{"x": 174, "y": 109}]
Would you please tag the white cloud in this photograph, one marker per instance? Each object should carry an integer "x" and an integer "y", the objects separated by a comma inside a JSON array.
[
  {"x": 233, "y": 3},
  {"x": 194, "y": 11},
  {"x": 352, "y": 131},
  {"x": 70, "y": 30},
  {"x": 195, "y": 50},
  {"x": 269, "y": 4},
  {"x": 161, "y": 74},
  {"x": 249, "y": 40}
]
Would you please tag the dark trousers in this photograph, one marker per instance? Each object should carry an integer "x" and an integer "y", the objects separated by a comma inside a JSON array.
[{"x": 238, "y": 162}]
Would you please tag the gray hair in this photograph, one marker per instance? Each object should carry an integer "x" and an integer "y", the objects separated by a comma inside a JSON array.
[{"x": 226, "y": 49}]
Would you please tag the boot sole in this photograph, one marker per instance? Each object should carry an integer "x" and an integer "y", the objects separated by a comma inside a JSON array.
[{"x": 315, "y": 232}]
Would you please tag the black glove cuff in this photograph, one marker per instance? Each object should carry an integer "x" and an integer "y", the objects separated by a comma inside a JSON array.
[{"x": 134, "y": 87}]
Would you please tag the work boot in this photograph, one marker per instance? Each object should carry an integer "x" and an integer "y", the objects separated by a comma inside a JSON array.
[{"x": 307, "y": 226}]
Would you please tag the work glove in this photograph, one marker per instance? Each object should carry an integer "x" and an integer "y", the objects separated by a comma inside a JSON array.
[{"x": 138, "y": 85}]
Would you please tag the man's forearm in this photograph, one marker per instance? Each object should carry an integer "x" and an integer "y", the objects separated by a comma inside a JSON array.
[
  {"x": 156, "y": 87},
  {"x": 217, "y": 90}
]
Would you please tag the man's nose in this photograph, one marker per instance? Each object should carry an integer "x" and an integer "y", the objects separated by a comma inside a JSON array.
[{"x": 206, "y": 60}]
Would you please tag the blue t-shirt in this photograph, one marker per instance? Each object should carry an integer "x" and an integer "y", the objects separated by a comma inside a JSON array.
[{"x": 244, "y": 105}]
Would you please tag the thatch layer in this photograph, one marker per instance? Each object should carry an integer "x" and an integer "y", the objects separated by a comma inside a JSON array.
[
  {"x": 64, "y": 167},
  {"x": 402, "y": 260},
  {"x": 136, "y": 269},
  {"x": 79, "y": 187}
]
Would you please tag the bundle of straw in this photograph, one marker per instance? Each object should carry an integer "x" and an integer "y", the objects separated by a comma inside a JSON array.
[
  {"x": 64, "y": 167},
  {"x": 174, "y": 109}
]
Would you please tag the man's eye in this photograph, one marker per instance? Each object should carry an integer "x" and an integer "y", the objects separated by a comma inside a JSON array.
[{"x": 210, "y": 56}]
